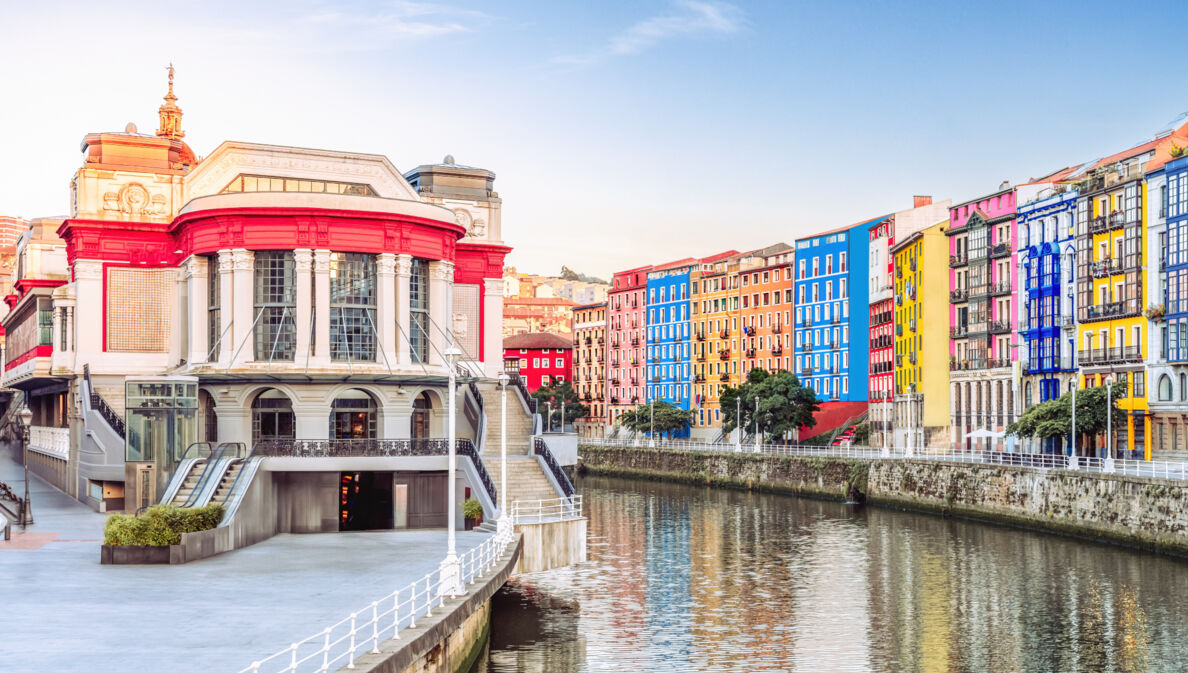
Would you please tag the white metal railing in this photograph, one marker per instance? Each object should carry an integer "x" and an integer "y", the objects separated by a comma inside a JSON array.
[
  {"x": 554, "y": 509},
  {"x": 1143, "y": 468},
  {"x": 361, "y": 632},
  {"x": 50, "y": 441}
]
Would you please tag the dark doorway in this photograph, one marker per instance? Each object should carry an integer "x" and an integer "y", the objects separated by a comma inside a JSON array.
[{"x": 365, "y": 501}]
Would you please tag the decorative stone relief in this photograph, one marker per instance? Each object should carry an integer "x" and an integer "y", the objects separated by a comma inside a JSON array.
[
  {"x": 385, "y": 264},
  {"x": 134, "y": 199},
  {"x": 88, "y": 270},
  {"x": 460, "y": 325},
  {"x": 242, "y": 260},
  {"x": 441, "y": 271},
  {"x": 195, "y": 267},
  {"x": 302, "y": 260},
  {"x": 321, "y": 261},
  {"x": 404, "y": 265},
  {"x": 225, "y": 264}
]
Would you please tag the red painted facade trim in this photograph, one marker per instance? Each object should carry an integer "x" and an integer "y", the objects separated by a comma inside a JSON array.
[{"x": 36, "y": 352}]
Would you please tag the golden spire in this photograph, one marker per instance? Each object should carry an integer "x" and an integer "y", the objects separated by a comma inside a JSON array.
[{"x": 171, "y": 114}]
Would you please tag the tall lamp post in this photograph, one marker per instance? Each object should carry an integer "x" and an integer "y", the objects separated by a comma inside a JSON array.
[
  {"x": 756, "y": 424},
  {"x": 652, "y": 422},
  {"x": 451, "y": 567},
  {"x": 26, "y": 417},
  {"x": 738, "y": 423},
  {"x": 1107, "y": 462},
  {"x": 505, "y": 524}
]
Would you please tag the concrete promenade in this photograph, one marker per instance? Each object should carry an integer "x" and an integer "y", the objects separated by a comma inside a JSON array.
[{"x": 66, "y": 612}]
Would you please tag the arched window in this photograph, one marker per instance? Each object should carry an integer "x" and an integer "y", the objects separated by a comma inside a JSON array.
[
  {"x": 272, "y": 416},
  {"x": 1027, "y": 395},
  {"x": 353, "y": 416},
  {"x": 1183, "y": 387},
  {"x": 420, "y": 416},
  {"x": 1165, "y": 388}
]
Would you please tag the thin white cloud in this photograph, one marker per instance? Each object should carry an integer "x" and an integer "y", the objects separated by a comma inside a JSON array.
[
  {"x": 392, "y": 21},
  {"x": 687, "y": 18}
]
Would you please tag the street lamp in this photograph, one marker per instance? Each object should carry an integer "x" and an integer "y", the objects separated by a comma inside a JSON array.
[
  {"x": 505, "y": 523},
  {"x": 738, "y": 424},
  {"x": 26, "y": 417},
  {"x": 756, "y": 424},
  {"x": 1108, "y": 459},
  {"x": 652, "y": 423},
  {"x": 451, "y": 567}
]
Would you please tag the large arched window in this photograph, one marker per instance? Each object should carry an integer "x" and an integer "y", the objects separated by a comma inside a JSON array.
[
  {"x": 353, "y": 416},
  {"x": 1165, "y": 388},
  {"x": 272, "y": 416},
  {"x": 420, "y": 416}
]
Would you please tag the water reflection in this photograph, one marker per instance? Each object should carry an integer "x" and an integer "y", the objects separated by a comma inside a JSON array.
[{"x": 682, "y": 578}]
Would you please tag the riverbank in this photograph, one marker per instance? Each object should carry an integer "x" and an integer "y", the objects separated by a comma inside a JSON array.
[{"x": 1143, "y": 512}]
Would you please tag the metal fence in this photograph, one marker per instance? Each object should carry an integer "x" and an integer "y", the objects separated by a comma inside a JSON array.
[
  {"x": 361, "y": 632},
  {"x": 1142, "y": 468},
  {"x": 541, "y": 511}
]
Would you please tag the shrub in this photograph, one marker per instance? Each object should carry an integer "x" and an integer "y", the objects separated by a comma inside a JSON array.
[
  {"x": 160, "y": 525},
  {"x": 472, "y": 509}
]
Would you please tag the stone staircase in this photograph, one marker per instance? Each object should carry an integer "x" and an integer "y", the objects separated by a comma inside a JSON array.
[
  {"x": 525, "y": 478},
  {"x": 519, "y": 424}
]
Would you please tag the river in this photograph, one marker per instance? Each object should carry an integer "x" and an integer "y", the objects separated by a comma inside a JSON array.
[{"x": 685, "y": 578}]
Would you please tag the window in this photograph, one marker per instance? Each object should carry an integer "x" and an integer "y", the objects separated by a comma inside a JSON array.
[
  {"x": 560, "y": 363},
  {"x": 352, "y": 307},
  {"x": 276, "y": 305},
  {"x": 213, "y": 292},
  {"x": 1165, "y": 388},
  {"x": 45, "y": 321},
  {"x": 264, "y": 183},
  {"x": 418, "y": 303}
]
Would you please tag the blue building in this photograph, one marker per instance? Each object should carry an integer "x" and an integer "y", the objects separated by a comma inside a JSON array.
[
  {"x": 669, "y": 374},
  {"x": 1047, "y": 288},
  {"x": 1167, "y": 269},
  {"x": 832, "y": 312}
]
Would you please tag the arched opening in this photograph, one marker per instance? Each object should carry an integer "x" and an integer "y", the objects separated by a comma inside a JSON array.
[
  {"x": 208, "y": 419},
  {"x": 1027, "y": 395},
  {"x": 272, "y": 416},
  {"x": 1165, "y": 388},
  {"x": 353, "y": 415},
  {"x": 422, "y": 407}
]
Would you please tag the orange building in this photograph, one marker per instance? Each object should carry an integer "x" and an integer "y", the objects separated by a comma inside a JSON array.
[
  {"x": 522, "y": 315},
  {"x": 766, "y": 311}
]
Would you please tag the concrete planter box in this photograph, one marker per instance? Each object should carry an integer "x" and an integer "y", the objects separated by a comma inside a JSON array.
[{"x": 133, "y": 554}]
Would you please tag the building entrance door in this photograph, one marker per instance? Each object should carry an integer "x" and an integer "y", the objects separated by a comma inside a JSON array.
[
  {"x": 427, "y": 493},
  {"x": 272, "y": 417},
  {"x": 365, "y": 501}
]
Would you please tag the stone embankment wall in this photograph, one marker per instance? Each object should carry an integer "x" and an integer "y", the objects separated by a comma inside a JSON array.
[{"x": 1138, "y": 511}]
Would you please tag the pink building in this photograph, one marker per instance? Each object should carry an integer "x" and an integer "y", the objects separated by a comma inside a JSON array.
[
  {"x": 982, "y": 316},
  {"x": 626, "y": 329}
]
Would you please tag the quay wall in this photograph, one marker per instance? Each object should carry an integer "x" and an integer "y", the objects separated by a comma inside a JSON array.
[{"x": 1145, "y": 512}]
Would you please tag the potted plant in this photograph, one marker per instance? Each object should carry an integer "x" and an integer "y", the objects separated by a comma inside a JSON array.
[
  {"x": 1176, "y": 151},
  {"x": 472, "y": 511}
]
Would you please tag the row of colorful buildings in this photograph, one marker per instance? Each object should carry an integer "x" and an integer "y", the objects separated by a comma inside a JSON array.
[{"x": 939, "y": 324}]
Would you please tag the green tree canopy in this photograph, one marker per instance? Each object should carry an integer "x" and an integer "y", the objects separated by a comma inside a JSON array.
[
  {"x": 784, "y": 404},
  {"x": 562, "y": 397},
  {"x": 663, "y": 417},
  {"x": 1054, "y": 417}
]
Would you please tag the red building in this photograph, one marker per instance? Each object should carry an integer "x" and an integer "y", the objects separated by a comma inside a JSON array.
[{"x": 542, "y": 359}]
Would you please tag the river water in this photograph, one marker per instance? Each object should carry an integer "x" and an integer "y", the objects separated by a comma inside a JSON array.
[{"x": 682, "y": 578}]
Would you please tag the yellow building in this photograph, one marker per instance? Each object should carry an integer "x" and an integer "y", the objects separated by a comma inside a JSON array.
[
  {"x": 921, "y": 315},
  {"x": 715, "y": 295},
  {"x": 1111, "y": 294}
]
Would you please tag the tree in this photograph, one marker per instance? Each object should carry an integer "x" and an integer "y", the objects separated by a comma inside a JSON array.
[
  {"x": 1054, "y": 417},
  {"x": 784, "y": 404},
  {"x": 663, "y": 417},
  {"x": 563, "y": 398}
]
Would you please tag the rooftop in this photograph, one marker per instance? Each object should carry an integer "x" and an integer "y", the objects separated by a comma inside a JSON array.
[{"x": 536, "y": 340}]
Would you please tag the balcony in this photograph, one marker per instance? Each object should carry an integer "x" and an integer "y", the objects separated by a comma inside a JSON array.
[
  {"x": 724, "y": 334},
  {"x": 1002, "y": 287},
  {"x": 958, "y": 296},
  {"x": 50, "y": 441},
  {"x": 898, "y": 271},
  {"x": 912, "y": 357},
  {"x": 958, "y": 331},
  {"x": 1000, "y": 326},
  {"x": 700, "y": 336},
  {"x": 778, "y": 329},
  {"x": 912, "y": 264},
  {"x": 1105, "y": 268},
  {"x": 978, "y": 291},
  {"x": 958, "y": 260},
  {"x": 998, "y": 363},
  {"x": 806, "y": 371},
  {"x": 614, "y": 381},
  {"x": 1110, "y": 356},
  {"x": 749, "y": 353},
  {"x": 807, "y": 322},
  {"x": 724, "y": 354},
  {"x": 898, "y": 360},
  {"x": 806, "y": 347},
  {"x": 835, "y": 320},
  {"x": 701, "y": 357},
  {"x": 1117, "y": 309},
  {"x": 724, "y": 378},
  {"x": 777, "y": 351},
  {"x": 699, "y": 378},
  {"x": 912, "y": 325},
  {"x": 634, "y": 341},
  {"x": 587, "y": 340},
  {"x": 1000, "y": 250}
]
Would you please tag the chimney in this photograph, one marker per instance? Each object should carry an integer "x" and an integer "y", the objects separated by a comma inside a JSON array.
[{"x": 920, "y": 201}]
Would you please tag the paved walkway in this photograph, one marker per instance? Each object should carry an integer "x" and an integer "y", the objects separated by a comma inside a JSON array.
[{"x": 66, "y": 612}]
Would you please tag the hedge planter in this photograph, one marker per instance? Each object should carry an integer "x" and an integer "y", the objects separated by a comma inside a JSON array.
[{"x": 134, "y": 554}]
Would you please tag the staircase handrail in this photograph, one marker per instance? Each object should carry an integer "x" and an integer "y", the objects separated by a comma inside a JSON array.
[
  {"x": 464, "y": 447},
  {"x": 480, "y": 433},
  {"x": 196, "y": 445},
  {"x": 242, "y": 469},
  {"x": 100, "y": 405},
  {"x": 540, "y": 448},
  {"x": 207, "y": 470}
]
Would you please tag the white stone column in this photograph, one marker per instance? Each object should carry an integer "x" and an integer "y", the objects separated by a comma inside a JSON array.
[
  {"x": 311, "y": 421},
  {"x": 88, "y": 291},
  {"x": 303, "y": 267},
  {"x": 179, "y": 323},
  {"x": 321, "y": 298},
  {"x": 226, "y": 310},
  {"x": 403, "y": 314},
  {"x": 441, "y": 280},
  {"x": 197, "y": 286},
  {"x": 385, "y": 314},
  {"x": 242, "y": 270},
  {"x": 492, "y": 329}
]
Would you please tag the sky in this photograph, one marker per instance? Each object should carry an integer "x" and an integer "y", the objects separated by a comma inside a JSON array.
[{"x": 622, "y": 133}]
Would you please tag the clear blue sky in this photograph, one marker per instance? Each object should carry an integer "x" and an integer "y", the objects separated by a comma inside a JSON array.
[{"x": 622, "y": 133}]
